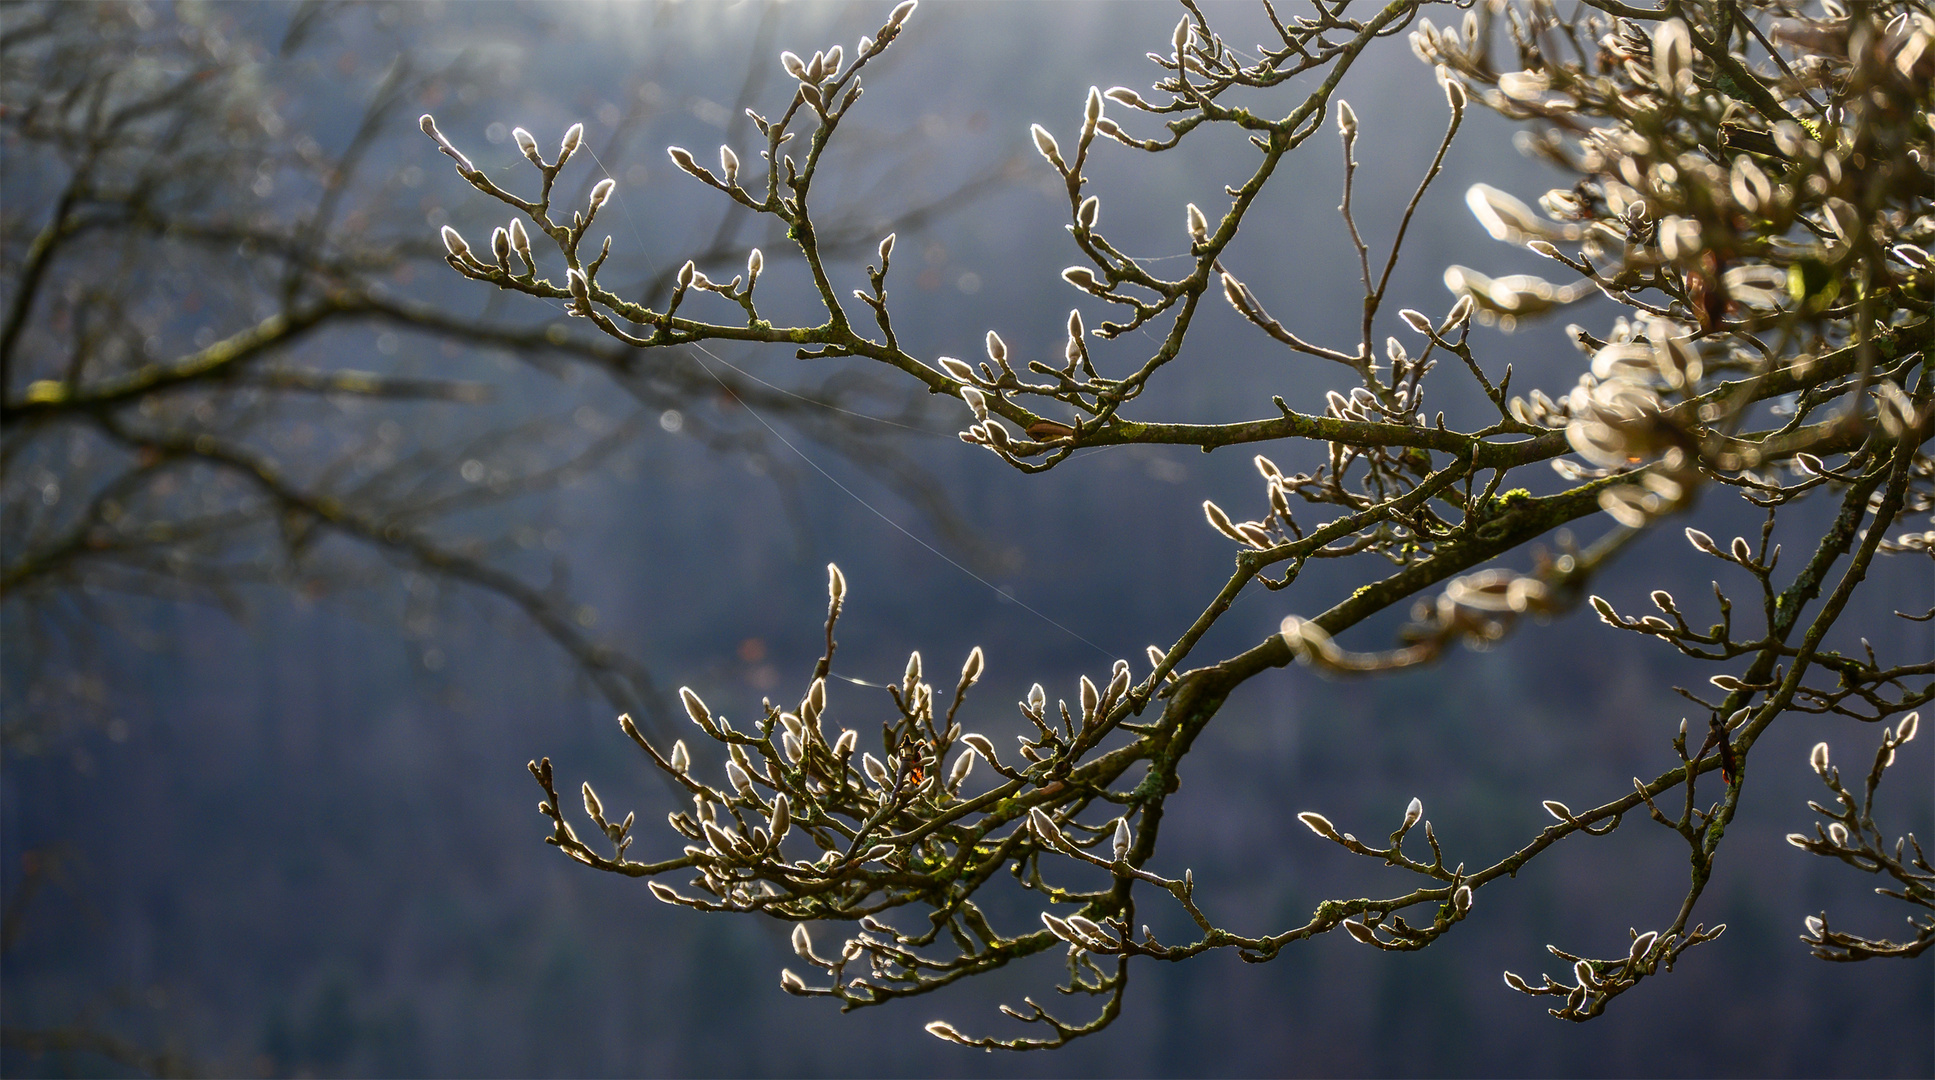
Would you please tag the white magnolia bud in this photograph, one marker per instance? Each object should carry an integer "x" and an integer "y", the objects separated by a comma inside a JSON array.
[
  {"x": 793, "y": 64},
  {"x": 1413, "y": 812},
  {"x": 900, "y": 14},
  {"x": 843, "y": 746},
  {"x": 833, "y": 58},
  {"x": 1905, "y": 731},
  {"x": 454, "y": 240},
  {"x": 971, "y": 669},
  {"x": 887, "y": 248},
  {"x": 963, "y": 765},
  {"x": 997, "y": 349},
  {"x": 1198, "y": 225},
  {"x": 728, "y": 163},
  {"x": 1416, "y": 320},
  {"x": 836, "y": 584},
  {"x": 601, "y": 191},
  {"x": 1082, "y": 278},
  {"x": 979, "y": 744},
  {"x": 1346, "y": 119},
  {"x": 1318, "y": 824},
  {"x": 876, "y": 770},
  {"x": 1461, "y": 899},
  {"x": 687, "y": 274},
  {"x": 573, "y": 135},
  {"x": 977, "y": 402},
  {"x": 1123, "y": 838},
  {"x": 1819, "y": 758},
  {"x": 1045, "y": 143},
  {"x": 782, "y": 817},
  {"x": 520, "y": 239},
  {"x": 592, "y": 806},
  {"x": 740, "y": 781},
  {"x": 695, "y": 708},
  {"x": 802, "y": 942},
  {"x": 683, "y": 159},
  {"x": 788, "y": 981},
  {"x": 958, "y": 370},
  {"x": 1045, "y": 828},
  {"x": 527, "y": 144},
  {"x": 681, "y": 758},
  {"x": 755, "y": 262},
  {"x": 1086, "y": 214},
  {"x": 1092, "y": 111}
]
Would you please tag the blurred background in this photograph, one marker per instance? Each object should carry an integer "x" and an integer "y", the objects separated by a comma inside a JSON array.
[{"x": 278, "y": 644}]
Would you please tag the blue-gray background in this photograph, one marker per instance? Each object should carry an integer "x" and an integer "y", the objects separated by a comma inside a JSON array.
[{"x": 297, "y": 849}]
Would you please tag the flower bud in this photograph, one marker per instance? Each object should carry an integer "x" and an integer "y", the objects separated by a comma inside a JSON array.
[
  {"x": 836, "y": 585},
  {"x": 1046, "y": 145},
  {"x": 601, "y": 191},
  {"x": 963, "y": 765},
  {"x": 683, "y": 160},
  {"x": 887, "y": 249},
  {"x": 755, "y": 262},
  {"x": 802, "y": 942},
  {"x": 728, "y": 164},
  {"x": 980, "y": 745},
  {"x": 1318, "y": 824},
  {"x": 997, "y": 349},
  {"x": 1123, "y": 838},
  {"x": 1086, "y": 213},
  {"x": 1198, "y": 225},
  {"x": 454, "y": 240},
  {"x": 1413, "y": 812},
  {"x": 528, "y": 145},
  {"x": 1346, "y": 119},
  {"x": 957, "y": 370},
  {"x": 1082, "y": 278},
  {"x": 971, "y": 670},
  {"x": 520, "y": 239},
  {"x": 1092, "y": 110},
  {"x": 900, "y": 13},
  {"x": 592, "y": 806},
  {"x": 687, "y": 274},
  {"x": 695, "y": 708},
  {"x": 794, "y": 65},
  {"x": 573, "y": 135},
  {"x": 681, "y": 758}
]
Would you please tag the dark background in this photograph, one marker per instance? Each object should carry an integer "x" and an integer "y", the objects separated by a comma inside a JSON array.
[{"x": 295, "y": 848}]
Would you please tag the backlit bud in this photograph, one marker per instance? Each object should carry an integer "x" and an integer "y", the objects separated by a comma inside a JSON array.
[
  {"x": 793, "y": 64},
  {"x": 1045, "y": 143},
  {"x": 1198, "y": 225},
  {"x": 971, "y": 670},
  {"x": 1318, "y": 824},
  {"x": 454, "y": 240},
  {"x": 695, "y": 708},
  {"x": 527, "y": 144},
  {"x": 520, "y": 239},
  {"x": 755, "y": 263},
  {"x": 887, "y": 248},
  {"x": 601, "y": 191},
  {"x": 729, "y": 163},
  {"x": 958, "y": 370},
  {"x": 1346, "y": 119},
  {"x": 1123, "y": 838},
  {"x": 997, "y": 349},
  {"x": 1086, "y": 214},
  {"x": 573, "y": 135},
  {"x": 1413, "y": 812},
  {"x": 1092, "y": 112},
  {"x": 681, "y": 758}
]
